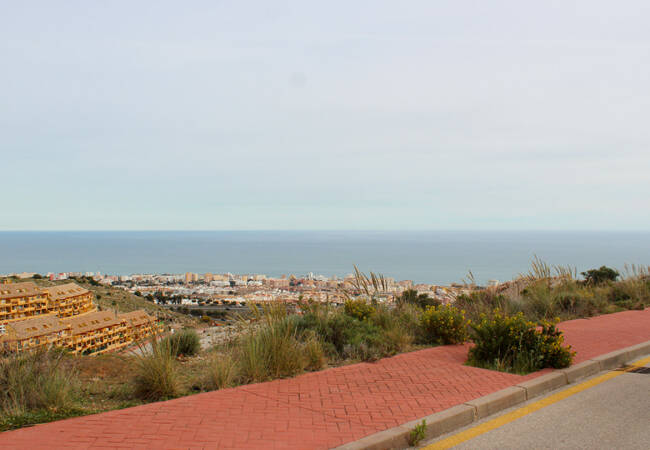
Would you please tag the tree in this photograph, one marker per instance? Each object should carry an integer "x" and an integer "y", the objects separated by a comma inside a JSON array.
[
  {"x": 602, "y": 275},
  {"x": 411, "y": 296}
]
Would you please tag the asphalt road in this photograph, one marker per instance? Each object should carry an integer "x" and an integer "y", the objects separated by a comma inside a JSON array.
[{"x": 614, "y": 414}]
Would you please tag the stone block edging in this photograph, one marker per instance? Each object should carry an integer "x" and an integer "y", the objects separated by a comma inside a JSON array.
[{"x": 462, "y": 415}]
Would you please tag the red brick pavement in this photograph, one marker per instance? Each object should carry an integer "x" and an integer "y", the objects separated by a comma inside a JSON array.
[
  {"x": 603, "y": 334},
  {"x": 317, "y": 410}
]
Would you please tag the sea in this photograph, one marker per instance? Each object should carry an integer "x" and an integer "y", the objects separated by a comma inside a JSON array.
[{"x": 439, "y": 257}]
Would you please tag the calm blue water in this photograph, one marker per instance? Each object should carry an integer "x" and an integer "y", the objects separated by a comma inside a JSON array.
[{"x": 435, "y": 257}]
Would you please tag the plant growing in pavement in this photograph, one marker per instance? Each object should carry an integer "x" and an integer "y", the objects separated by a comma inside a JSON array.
[{"x": 417, "y": 434}]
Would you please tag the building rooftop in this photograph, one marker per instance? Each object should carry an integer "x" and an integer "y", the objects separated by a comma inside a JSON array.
[
  {"x": 136, "y": 318},
  {"x": 64, "y": 291},
  {"x": 91, "y": 321},
  {"x": 17, "y": 290},
  {"x": 38, "y": 326}
]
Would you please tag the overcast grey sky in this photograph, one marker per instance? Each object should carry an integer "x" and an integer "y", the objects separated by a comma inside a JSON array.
[{"x": 325, "y": 115}]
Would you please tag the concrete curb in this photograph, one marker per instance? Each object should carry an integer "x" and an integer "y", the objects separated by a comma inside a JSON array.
[
  {"x": 543, "y": 384},
  {"x": 497, "y": 401},
  {"x": 581, "y": 370},
  {"x": 462, "y": 415}
]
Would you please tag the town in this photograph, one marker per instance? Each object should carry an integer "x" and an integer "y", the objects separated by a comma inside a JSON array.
[{"x": 242, "y": 289}]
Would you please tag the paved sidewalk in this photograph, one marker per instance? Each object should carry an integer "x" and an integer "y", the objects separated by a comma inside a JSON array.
[{"x": 318, "y": 410}]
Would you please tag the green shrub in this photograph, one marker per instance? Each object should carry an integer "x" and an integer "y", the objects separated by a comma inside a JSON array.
[
  {"x": 513, "y": 344},
  {"x": 555, "y": 355},
  {"x": 484, "y": 302},
  {"x": 343, "y": 336},
  {"x": 185, "y": 342},
  {"x": 332, "y": 326},
  {"x": 538, "y": 300},
  {"x": 364, "y": 341},
  {"x": 578, "y": 302},
  {"x": 408, "y": 318},
  {"x": 156, "y": 376},
  {"x": 631, "y": 293},
  {"x": 443, "y": 324},
  {"x": 36, "y": 381},
  {"x": 396, "y": 339},
  {"x": 359, "y": 309},
  {"x": 619, "y": 295}
]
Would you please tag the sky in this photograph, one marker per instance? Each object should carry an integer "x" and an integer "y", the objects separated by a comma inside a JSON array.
[{"x": 422, "y": 115}]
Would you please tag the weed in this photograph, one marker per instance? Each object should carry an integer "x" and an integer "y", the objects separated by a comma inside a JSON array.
[{"x": 417, "y": 434}]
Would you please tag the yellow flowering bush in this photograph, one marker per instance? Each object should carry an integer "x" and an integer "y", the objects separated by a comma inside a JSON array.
[
  {"x": 359, "y": 309},
  {"x": 514, "y": 344},
  {"x": 443, "y": 324}
]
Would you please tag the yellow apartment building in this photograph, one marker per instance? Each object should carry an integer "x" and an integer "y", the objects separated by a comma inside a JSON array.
[
  {"x": 96, "y": 332},
  {"x": 65, "y": 316},
  {"x": 69, "y": 299},
  {"x": 20, "y": 301},
  {"x": 139, "y": 325},
  {"x": 31, "y": 334}
]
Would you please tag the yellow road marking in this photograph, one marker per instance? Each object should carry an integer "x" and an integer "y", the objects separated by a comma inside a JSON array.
[{"x": 473, "y": 432}]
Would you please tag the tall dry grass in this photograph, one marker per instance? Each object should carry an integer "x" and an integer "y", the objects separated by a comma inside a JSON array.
[
  {"x": 185, "y": 342},
  {"x": 156, "y": 371},
  {"x": 222, "y": 372},
  {"x": 33, "y": 381},
  {"x": 271, "y": 348}
]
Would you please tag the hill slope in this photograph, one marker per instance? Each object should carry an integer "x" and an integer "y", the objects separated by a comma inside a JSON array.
[{"x": 110, "y": 298}]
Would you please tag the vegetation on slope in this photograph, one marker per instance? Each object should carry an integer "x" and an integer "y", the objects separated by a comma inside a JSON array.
[
  {"x": 112, "y": 298},
  {"x": 512, "y": 327}
]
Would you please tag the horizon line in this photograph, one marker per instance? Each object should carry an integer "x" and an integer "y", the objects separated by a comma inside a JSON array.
[{"x": 369, "y": 230}]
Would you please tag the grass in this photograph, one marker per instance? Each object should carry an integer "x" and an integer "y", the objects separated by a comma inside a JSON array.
[
  {"x": 221, "y": 372},
  {"x": 185, "y": 342},
  {"x": 271, "y": 350},
  {"x": 35, "y": 381},
  {"x": 14, "y": 421},
  {"x": 561, "y": 297},
  {"x": 156, "y": 371}
]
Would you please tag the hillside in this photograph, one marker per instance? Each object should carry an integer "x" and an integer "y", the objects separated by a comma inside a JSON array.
[{"x": 110, "y": 298}]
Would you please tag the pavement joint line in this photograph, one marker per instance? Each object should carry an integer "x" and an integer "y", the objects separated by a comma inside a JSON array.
[
  {"x": 288, "y": 404},
  {"x": 528, "y": 409}
]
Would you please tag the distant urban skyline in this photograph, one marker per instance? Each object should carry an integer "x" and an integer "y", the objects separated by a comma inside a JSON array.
[{"x": 336, "y": 116}]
